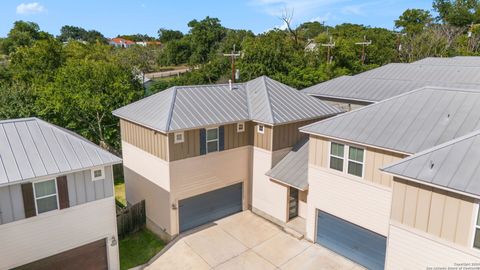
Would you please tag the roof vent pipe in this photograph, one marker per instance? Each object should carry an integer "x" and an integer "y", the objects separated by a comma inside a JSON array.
[{"x": 230, "y": 84}]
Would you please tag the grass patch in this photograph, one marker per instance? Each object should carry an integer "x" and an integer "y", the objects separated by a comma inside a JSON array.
[
  {"x": 120, "y": 192},
  {"x": 136, "y": 249}
]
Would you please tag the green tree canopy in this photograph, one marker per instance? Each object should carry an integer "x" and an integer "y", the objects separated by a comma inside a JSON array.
[
  {"x": 22, "y": 34},
  {"x": 166, "y": 35},
  {"x": 458, "y": 12},
  {"x": 205, "y": 37},
  {"x": 414, "y": 21}
]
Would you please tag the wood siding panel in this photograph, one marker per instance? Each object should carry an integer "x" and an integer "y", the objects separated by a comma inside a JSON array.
[
  {"x": 189, "y": 148},
  {"x": 151, "y": 141},
  {"x": 288, "y": 135},
  {"x": 437, "y": 212},
  {"x": 264, "y": 140},
  {"x": 234, "y": 139},
  {"x": 62, "y": 188},
  {"x": 28, "y": 200}
]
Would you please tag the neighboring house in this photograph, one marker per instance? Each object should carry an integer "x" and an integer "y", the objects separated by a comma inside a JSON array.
[
  {"x": 349, "y": 198},
  {"x": 121, "y": 42},
  {"x": 199, "y": 153},
  {"x": 148, "y": 43},
  {"x": 434, "y": 218},
  {"x": 57, "y": 208},
  {"x": 353, "y": 92}
]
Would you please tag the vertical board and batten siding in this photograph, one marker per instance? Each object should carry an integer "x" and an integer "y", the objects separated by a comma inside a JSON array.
[
  {"x": 374, "y": 160},
  {"x": 288, "y": 135},
  {"x": 189, "y": 148},
  {"x": 264, "y": 140},
  {"x": 153, "y": 142},
  {"x": 234, "y": 139},
  {"x": 81, "y": 188},
  {"x": 11, "y": 204},
  {"x": 437, "y": 212}
]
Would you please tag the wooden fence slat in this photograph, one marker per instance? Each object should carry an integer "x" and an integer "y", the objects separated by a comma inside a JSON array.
[{"x": 131, "y": 219}]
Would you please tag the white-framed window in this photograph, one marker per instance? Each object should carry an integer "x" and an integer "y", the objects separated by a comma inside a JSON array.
[
  {"x": 476, "y": 238},
  {"x": 261, "y": 129},
  {"x": 241, "y": 127},
  {"x": 212, "y": 140},
  {"x": 179, "y": 137},
  {"x": 337, "y": 154},
  {"x": 98, "y": 173},
  {"x": 347, "y": 158},
  {"x": 46, "y": 195}
]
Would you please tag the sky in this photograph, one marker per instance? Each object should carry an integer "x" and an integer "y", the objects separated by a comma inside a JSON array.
[{"x": 146, "y": 16}]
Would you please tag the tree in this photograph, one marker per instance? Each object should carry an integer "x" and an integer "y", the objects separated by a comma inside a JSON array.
[
  {"x": 166, "y": 35},
  {"x": 414, "y": 21},
  {"x": 22, "y": 34},
  {"x": 68, "y": 33},
  {"x": 205, "y": 37},
  {"x": 310, "y": 30},
  {"x": 83, "y": 95},
  {"x": 137, "y": 37},
  {"x": 17, "y": 100},
  {"x": 458, "y": 13},
  {"x": 175, "y": 52}
]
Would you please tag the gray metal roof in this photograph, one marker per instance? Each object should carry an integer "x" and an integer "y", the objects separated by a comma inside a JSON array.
[
  {"x": 32, "y": 148},
  {"x": 466, "y": 61},
  {"x": 408, "y": 123},
  {"x": 454, "y": 165},
  {"x": 293, "y": 168},
  {"x": 186, "y": 107}
]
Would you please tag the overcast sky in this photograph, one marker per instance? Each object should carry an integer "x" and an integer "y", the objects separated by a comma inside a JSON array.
[{"x": 147, "y": 16}]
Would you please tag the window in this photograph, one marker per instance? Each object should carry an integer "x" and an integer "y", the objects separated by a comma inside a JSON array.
[
  {"x": 261, "y": 129},
  {"x": 212, "y": 140},
  {"x": 46, "y": 198},
  {"x": 98, "y": 174},
  {"x": 337, "y": 153},
  {"x": 240, "y": 127},
  {"x": 476, "y": 240},
  {"x": 355, "y": 161},
  {"x": 179, "y": 137}
]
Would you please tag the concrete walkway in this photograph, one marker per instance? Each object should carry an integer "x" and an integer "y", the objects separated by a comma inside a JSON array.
[{"x": 246, "y": 241}]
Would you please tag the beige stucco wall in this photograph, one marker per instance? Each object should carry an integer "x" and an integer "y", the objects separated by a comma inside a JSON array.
[
  {"x": 439, "y": 213},
  {"x": 412, "y": 249},
  {"x": 357, "y": 201},
  {"x": 53, "y": 232}
]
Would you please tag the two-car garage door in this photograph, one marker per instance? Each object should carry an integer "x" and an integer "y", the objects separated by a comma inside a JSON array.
[
  {"x": 351, "y": 241},
  {"x": 210, "y": 206}
]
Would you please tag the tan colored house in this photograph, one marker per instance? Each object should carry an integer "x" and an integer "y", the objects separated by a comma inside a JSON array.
[
  {"x": 199, "y": 153},
  {"x": 57, "y": 208},
  {"x": 349, "y": 198}
]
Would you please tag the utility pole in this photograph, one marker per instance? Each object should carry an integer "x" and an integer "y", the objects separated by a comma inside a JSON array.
[
  {"x": 234, "y": 54},
  {"x": 364, "y": 44},
  {"x": 329, "y": 46}
]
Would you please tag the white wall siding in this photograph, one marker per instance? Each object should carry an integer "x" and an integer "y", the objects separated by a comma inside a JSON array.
[
  {"x": 53, "y": 232},
  {"x": 361, "y": 203},
  {"x": 408, "y": 249},
  {"x": 267, "y": 196},
  {"x": 11, "y": 204}
]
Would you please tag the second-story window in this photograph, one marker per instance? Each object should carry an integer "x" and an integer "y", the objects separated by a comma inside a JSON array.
[
  {"x": 355, "y": 161},
  {"x": 261, "y": 129},
  {"x": 337, "y": 153},
  {"x": 46, "y": 198},
  {"x": 179, "y": 137},
  {"x": 241, "y": 127},
  {"x": 212, "y": 140},
  {"x": 476, "y": 240}
]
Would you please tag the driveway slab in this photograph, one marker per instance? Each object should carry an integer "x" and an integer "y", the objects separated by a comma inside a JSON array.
[
  {"x": 281, "y": 248},
  {"x": 214, "y": 245},
  {"x": 247, "y": 260},
  {"x": 179, "y": 256}
]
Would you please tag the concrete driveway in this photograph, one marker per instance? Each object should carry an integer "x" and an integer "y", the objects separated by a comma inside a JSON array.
[{"x": 246, "y": 241}]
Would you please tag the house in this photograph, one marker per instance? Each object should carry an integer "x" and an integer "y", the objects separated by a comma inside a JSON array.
[
  {"x": 352, "y": 92},
  {"x": 57, "y": 208},
  {"x": 121, "y": 42},
  {"x": 435, "y": 206},
  {"x": 199, "y": 153},
  {"x": 148, "y": 43},
  {"x": 349, "y": 207}
]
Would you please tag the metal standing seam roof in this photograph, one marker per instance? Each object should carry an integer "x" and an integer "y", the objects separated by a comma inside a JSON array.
[
  {"x": 293, "y": 168},
  {"x": 32, "y": 148},
  {"x": 467, "y": 61},
  {"x": 408, "y": 123},
  {"x": 454, "y": 165},
  {"x": 372, "y": 90},
  {"x": 262, "y": 99}
]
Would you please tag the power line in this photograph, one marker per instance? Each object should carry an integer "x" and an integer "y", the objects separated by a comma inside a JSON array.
[
  {"x": 234, "y": 54},
  {"x": 364, "y": 44},
  {"x": 329, "y": 46}
]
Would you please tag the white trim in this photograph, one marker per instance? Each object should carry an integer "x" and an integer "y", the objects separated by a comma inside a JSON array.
[
  {"x": 92, "y": 171},
  {"x": 242, "y": 125},
  {"x": 357, "y": 162},
  {"x": 207, "y": 140},
  {"x": 475, "y": 226},
  {"x": 346, "y": 158},
  {"x": 263, "y": 128},
  {"x": 46, "y": 196},
  {"x": 330, "y": 155},
  {"x": 179, "y": 140}
]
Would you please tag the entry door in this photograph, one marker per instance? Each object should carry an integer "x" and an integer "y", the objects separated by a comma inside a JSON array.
[
  {"x": 351, "y": 241},
  {"x": 210, "y": 206},
  {"x": 293, "y": 203}
]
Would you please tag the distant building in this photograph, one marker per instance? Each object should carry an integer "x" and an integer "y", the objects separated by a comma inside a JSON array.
[
  {"x": 148, "y": 43},
  {"x": 121, "y": 42}
]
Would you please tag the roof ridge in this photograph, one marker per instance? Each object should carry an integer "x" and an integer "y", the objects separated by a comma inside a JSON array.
[
  {"x": 33, "y": 118},
  {"x": 268, "y": 99},
  {"x": 172, "y": 105}
]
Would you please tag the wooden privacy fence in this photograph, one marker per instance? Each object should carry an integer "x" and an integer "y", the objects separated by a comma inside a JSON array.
[{"x": 131, "y": 219}]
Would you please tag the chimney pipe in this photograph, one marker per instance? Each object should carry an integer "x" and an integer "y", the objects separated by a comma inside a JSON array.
[{"x": 230, "y": 84}]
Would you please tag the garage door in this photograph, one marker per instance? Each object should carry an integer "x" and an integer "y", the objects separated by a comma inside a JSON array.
[
  {"x": 351, "y": 241},
  {"x": 210, "y": 206},
  {"x": 92, "y": 256}
]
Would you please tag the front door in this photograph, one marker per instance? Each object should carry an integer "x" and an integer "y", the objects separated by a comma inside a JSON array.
[{"x": 293, "y": 203}]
